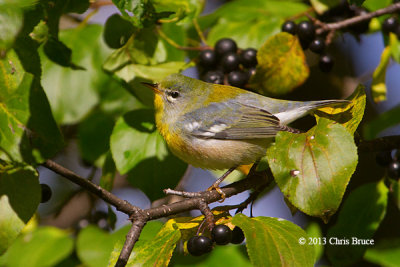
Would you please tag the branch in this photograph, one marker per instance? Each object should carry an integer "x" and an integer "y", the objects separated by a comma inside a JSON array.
[
  {"x": 121, "y": 205},
  {"x": 354, "y": 20}
]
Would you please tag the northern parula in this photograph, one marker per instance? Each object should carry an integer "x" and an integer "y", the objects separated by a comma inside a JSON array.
[{"x": 214, "y": 126}]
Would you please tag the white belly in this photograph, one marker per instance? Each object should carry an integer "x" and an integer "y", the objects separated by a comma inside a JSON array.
[{"x": 222, "y": 154}]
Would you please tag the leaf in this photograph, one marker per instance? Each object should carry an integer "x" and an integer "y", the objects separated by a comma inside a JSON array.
[
  {"x": 94, "y": 246},
  {"x": 40, "y": 33},
  {"x": 21, "y": 186},
  {"x": 385, "y": 253},
  {"x": 15, "y": 87},
  {"x": 117, "y": 31},
  {"x": 157, "y": 251},
  {"x": 360, "y": 216},
  {"x": 313, "y": 169},
  {"x": 108, "y": 173},
  {"x": 385, "y": 120},
  {"x": 181, "y": 11},
  {"x": 314, "y": 231},
  {"x": 94, "y": 134},
  {"x": 281, "y": 65},
  {"x": 11, "y": 20},
  {"x": 140, "y": 12},
  {"x": 10, "y": 224},
  {"x": 250, "y": 23},
  {"x": 64, "y": 86},
  {"x": 373, "y": 5},
  {"x": 349, "y": 115},
  {"x": 59, "y": 53},
  {"x": 46, "y": 246},
  {"x": 274, "y": 242},
  {"x": 378, "y": 86},
  {"x": 139, "y": 149},
  {"x": 321, "y": 6}
]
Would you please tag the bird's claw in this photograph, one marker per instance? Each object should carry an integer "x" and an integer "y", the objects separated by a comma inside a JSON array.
[{"x": 218, "y": 189}]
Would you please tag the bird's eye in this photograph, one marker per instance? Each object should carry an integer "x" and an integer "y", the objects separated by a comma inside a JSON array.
[{"x": 174, "y": 94}]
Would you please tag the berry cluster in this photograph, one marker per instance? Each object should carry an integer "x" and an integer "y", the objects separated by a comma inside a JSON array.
[
  {"x": 392, "y": 164},
  {"x": 226, "y": 64},
  {"x": 305, "y": 30},
  {"x": 220, "y": 234},
  {"x": 391, "y": 24}
]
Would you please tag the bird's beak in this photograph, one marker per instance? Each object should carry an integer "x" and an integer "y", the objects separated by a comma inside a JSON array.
[{"x": 152, "y": 86}]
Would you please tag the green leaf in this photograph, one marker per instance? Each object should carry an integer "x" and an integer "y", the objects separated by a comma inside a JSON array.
[
  {"x": 251, "y": 23},
  {"x": 281, "y": 66},
  {"x": 321, "y": 6},
  {"x": 11, "y": 20},
  {"x": 157, "y": 251},
  {"x": 64, "y": 86},
  {"x": 278, "y": 240},
  {"x": 360, "y": 216},
  {"x": 140, "y": 12},
  {"x": 94, "y": 134},
  {"x": 94, "y": 246},
  {"x": 231, "y": 255},
  {"x": 40, "y": 33},
  {"x": 385, "y": 120},
  {"x": 183, "y": 11},
  {"x": 117, "y": 31},
  {"x": 139, "y": 149},
  {"x": 349, "y": 115},
  {"x": 385, "y": 253},
  {"x": 394, "y": 47},
  {"x": 10, "y": 224},
  {"x": 373, "y": 5},
  {"x": 314, "y": 231},
  {"x": 46, "y": 246},
  {"x": 21, "y": 186},
  {"x": 108, "y": 173},
  {"x": 59, "y": 53},
  {"x": 378, "y": 86},
  {"x": 15, "y": 87},
  {"x": 313, "y": 169}
]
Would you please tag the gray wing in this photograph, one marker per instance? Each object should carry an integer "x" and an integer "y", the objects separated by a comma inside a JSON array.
[{"x": 232, "y": 120}]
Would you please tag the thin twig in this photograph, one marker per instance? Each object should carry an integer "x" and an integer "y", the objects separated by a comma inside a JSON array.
[
  {"x": 208, "y": 215},
  {"x": 177, "y": 46},
  {"x": 199, "y": 32},
  {"x": 121, "y": 205},
  {"x": 170, "y": 191},
  {"x": 357, "y": 19}
]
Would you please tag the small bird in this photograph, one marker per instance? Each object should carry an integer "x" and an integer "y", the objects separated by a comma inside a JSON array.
[{"x": 214, "y": 126}]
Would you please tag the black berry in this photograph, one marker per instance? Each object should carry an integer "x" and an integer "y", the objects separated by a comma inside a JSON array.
[
  {"x": 325, "y": 63},
  {"x": 199, "y": 245},
  {"x": 317, "y": 45},
  {"x": 394, "y": 170},
  {"x": 230, "y": 62},
  {"x": 306, "y": 30},
  {"x": 289, "y": 27},
  {"x": 207, "y": 58},
  {"x": 384, "y": 158},
  {"x": 237, "y": 235},
  {"x": 224, "y": 46},
  {"x": 248, "y": 57},
  {"x": 46, "y": 193},
  {"x": 390, "y": 25},
  {"x": 237, "y": 78},
  {"x": 214, "y": 76},
  {"x": 221, "y": 234}
]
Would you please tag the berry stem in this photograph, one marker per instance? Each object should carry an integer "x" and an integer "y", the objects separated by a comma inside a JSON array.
[
  {"x": 199, "y": 32},
  {"x": 177, "y": 46},
  {"x": 354, "y": 20}
]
